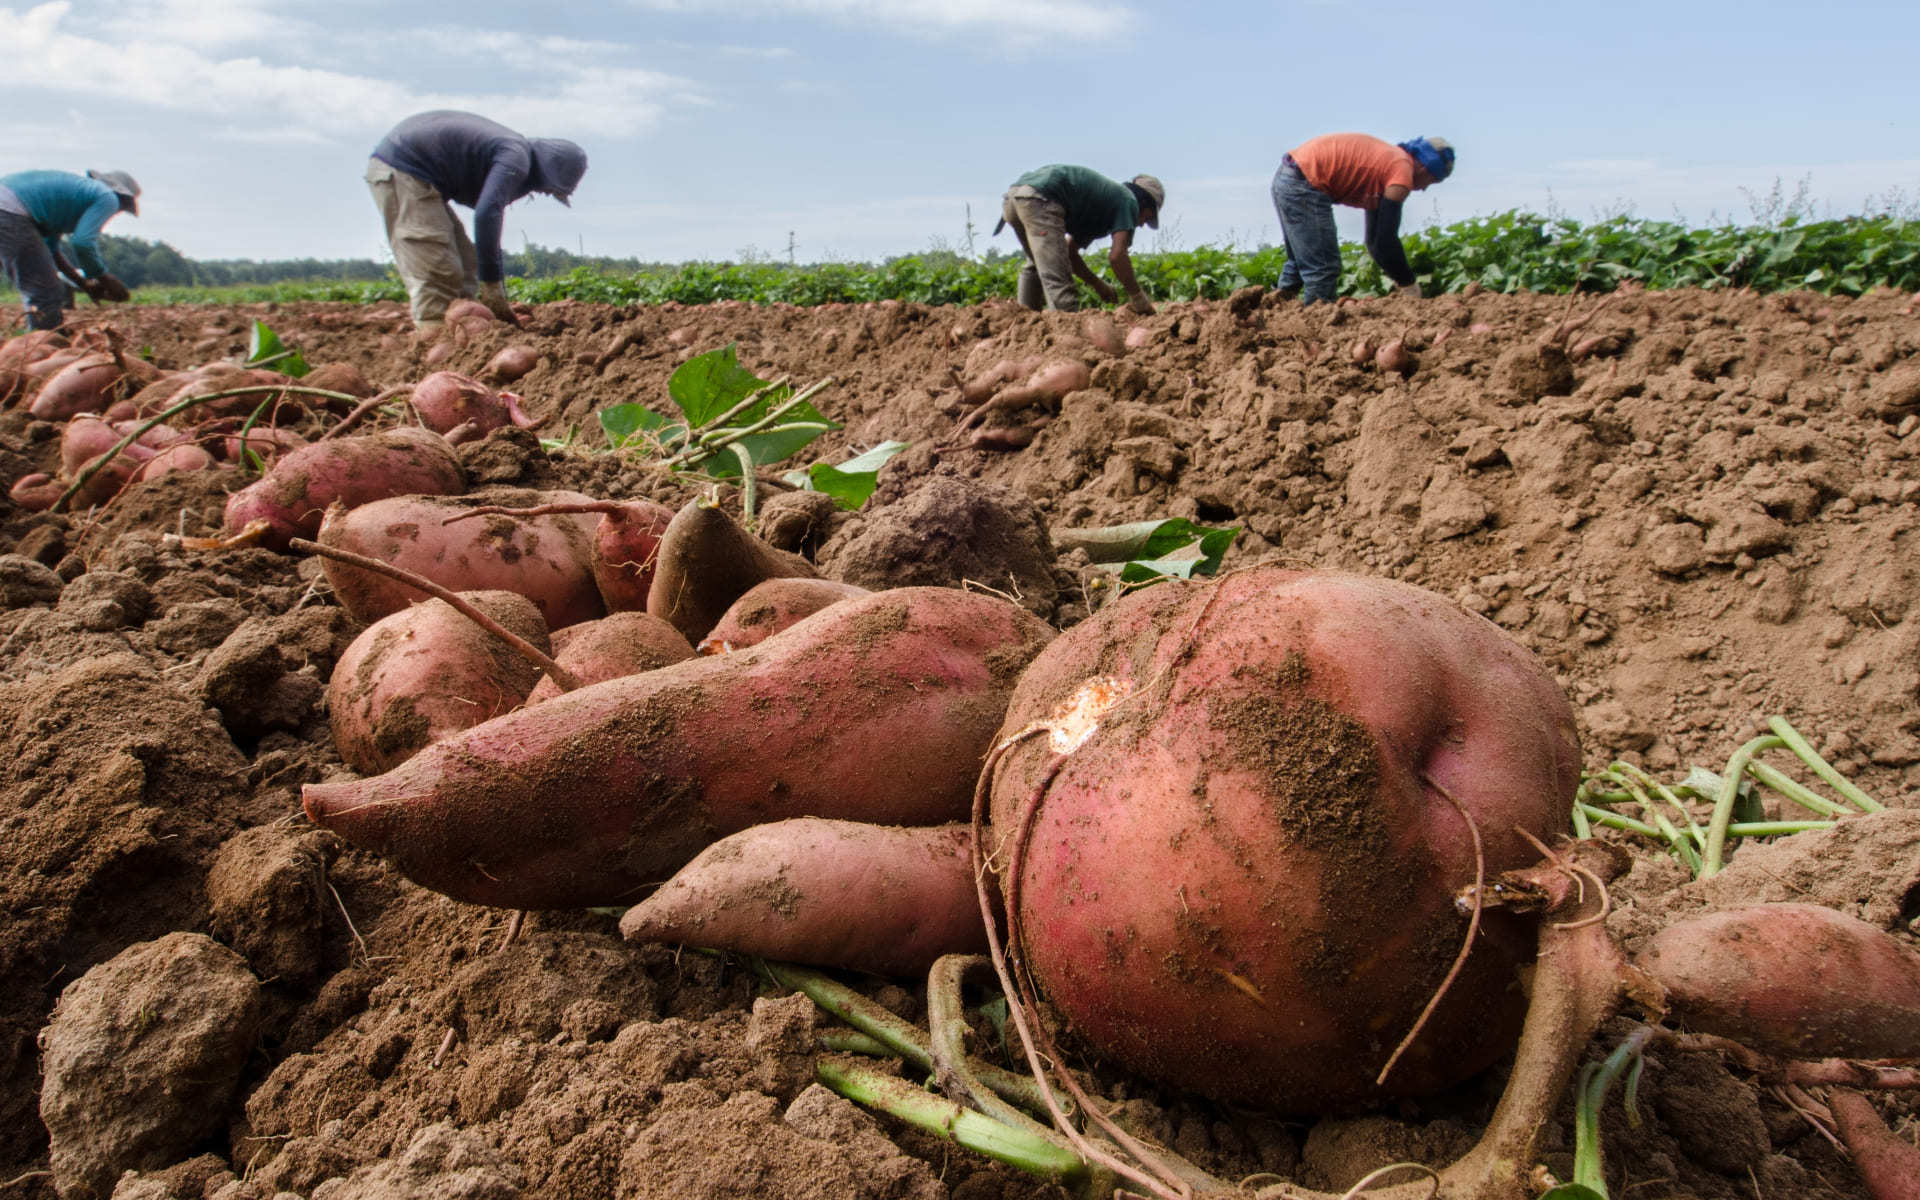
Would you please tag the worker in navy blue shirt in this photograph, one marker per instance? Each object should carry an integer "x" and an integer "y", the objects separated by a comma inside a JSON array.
[
  {"x": 434, "y": 159},
  {"x": 37, "y": 209}
]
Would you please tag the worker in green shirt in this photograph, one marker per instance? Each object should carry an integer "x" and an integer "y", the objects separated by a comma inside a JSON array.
[
  {"x": 1059, "y": 210},
  {"x": 37, "y": 209}
]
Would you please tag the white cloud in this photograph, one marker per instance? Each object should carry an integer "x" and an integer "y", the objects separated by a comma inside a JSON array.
[
  {"x": 156, "y": 68},
  {"x": 205, "y": 24},
  {"x": 1017, "y": 22}
]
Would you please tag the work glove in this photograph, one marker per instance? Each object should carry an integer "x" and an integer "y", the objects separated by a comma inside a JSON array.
[
  {"x": 494, "y": 296},
  {"x": 1408, "y": 289},
  {"x": 105, "y": 289},
  {"x": 1139, "y": 303}
]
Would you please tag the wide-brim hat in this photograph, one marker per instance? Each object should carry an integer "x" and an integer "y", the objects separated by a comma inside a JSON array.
[
  {"x": 1156, "y": 192},
  {"x": 123, "y": 184}
]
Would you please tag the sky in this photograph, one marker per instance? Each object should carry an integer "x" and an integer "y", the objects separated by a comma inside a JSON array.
[{"x": 860, "y": 129}]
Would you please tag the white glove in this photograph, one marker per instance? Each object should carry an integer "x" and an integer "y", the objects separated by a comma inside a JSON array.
[{"x": 1411, "y": 289}]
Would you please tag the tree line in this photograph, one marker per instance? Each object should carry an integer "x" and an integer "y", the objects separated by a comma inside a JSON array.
[{"x": 140, "y": 263}]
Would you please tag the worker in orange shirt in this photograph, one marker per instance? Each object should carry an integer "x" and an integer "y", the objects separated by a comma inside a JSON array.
[{"x": 1361, "y": 172}]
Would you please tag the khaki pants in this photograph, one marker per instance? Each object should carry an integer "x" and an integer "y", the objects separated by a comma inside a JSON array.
[
  {"x": 1041, "y": 226},
  {"x": 431, "y": 249}
]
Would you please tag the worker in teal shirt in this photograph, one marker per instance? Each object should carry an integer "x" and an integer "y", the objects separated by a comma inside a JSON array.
[{"x": 37, "y": 209}]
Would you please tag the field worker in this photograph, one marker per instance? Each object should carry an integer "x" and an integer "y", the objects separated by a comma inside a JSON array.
[
  {"x": 1058, "y": 210},
  {"x": 37, "y": 209},
  {"x": 435, "y": 157},
  {"x": 1360, "y": 172}
]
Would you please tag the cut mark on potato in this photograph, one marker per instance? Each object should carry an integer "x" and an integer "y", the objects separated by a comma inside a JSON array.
[{"x": 1079, "y": 715}]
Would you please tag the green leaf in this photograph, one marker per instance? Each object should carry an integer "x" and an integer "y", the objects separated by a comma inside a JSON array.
[
  {"x": 627, "y": 424},
  {"x": 852, "y": 482},
  {"x": 1139, "y": 539},
  {"x": 265, "y": 349},
  {"x": 709, "y": 384}
]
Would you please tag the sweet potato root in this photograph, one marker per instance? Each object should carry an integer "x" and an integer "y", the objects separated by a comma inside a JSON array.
[
  {"x": 1288, "y": 748},
  {"x": 878, "y": 709},
  {"x": 785, "y": 891},
  {"x": 547, "y": 559},
  {"x": 769, "y": 607},
  {"x": 625, "y": 643},
  {"x": 293, "y": 497},
  {"x": 427, "y": 671},
  {"x": 1888, "y": 1165},
  {"x": 706, "y": 562},
  {"x": 1792, "y": 981}
]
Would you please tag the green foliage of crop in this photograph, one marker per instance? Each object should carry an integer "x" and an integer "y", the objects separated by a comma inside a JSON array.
[{"x": 1509, "y": 252}]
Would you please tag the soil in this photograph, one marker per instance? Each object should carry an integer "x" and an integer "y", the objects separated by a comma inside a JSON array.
[{"x": 1703, "y": 517}]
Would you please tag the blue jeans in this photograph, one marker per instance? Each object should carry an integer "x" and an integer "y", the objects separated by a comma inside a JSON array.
[
  {"x": 28, "y": 265},
  {"x": 1313, "y": 243}
]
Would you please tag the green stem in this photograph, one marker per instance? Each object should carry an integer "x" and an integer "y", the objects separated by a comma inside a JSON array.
[
  {"x": 1793, "y": 790},
  {"x": 247, "y": 456},
  {"x": 1775, "y": 828},
  {"x": 748, "y": 484},
  {"x": 1595, "y": 1082},
  {"x": 1790, "y": 737},
  {"x": 945, "y": 1119},
  {"x": 1613, "y": 820},
  {"x": 851, "y": 1041},
  {"x": 1729, "y": 793}
]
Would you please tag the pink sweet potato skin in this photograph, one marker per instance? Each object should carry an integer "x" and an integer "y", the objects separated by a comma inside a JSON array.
[
  {"x": 626, "y": 549},
  {"x": 547, "y": 559},
  {"x": 88, "y": 385},
  {"x": 1243, "y": 882},
  {"x": 767, "y": 608},
  {"x": 294, "y": 496},
  {"x": 425, "y": 672},
  {"x": 878, "y": 710},
  {"x": 1888, "y": 1164},
  {"x": 617, "y": 644},
  {"x": 1791, "y": 980},
  {"x": 877, "y": 898}
]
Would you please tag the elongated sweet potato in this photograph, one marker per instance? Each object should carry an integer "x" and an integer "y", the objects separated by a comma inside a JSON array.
[
  {"x": 425, "y": 672},
  {"x": 1888, "y": 1164},
  {"x": 547, "y": 559},
  {"x": 1791, "y": 980},
  {"x": 1242, "y": 881},
  {"x": 879, "y": 709},
  {"x": 625, "y": 643},
  {"x": 705, "y": 563},
  {"x": 769, "y": 607},
  {"x": 292, "y": 498},
  {"x": 784, "y": 891},
  {"x": 89, "y": 385}
]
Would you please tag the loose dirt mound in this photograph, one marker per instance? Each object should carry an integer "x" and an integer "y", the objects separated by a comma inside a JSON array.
[{"x": 1700, "y": 509}]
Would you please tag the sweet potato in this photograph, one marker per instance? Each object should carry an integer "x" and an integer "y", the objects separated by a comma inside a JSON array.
[
  {"x": 980, "y": 387},
  {"x": 1791, "y": 980},
  {"x": 425, "y": 672},
  {"x": 292, "y": 498},
  {"x": 1100, "y": 331},
  {"x": 87, "y": 436},
  {"x": 1243, "y": 881},
  {"x": 18, "y": 352},
  {"x": 706, "y": 561},
  {"x": 622, "y": 643},
  {"x": 767, "y": 608},
  {"x": 547, "y": 559},
  {"x": 511, "y": 363},
  {"x": 1140, "y": 337},
  {"x": 181, "y": 456},
  {"x": 1888, "y": 1164},
  {"x": 1395, "y": 357},
  {"x": 447, "y": 400},
  {"x": 89, "y": 385},
  {"x": 783, "y": 891},
  {"x": 879, "y": 709},
  {"x": 264, "y": 442}
]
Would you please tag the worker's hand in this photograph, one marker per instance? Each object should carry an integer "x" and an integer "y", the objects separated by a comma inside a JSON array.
[
  {"x": 1106, "y": 291},
  {"x": 105, "y": 289},
  {"x": 1139, "y": 303},
  {"x": 1408, "y": 289},
  {"x": 494, "y": 296}
]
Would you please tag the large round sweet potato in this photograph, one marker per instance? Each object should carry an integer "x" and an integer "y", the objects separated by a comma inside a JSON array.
[
  {"x": 1243, "y": 882},
  {"x": 623, "y": 643},
  {"x": 293, "y": 497},
  {"x": 547, "y": 559},
  {"x": 878, "y": 709},
  {"x": 425, "y": 672}
]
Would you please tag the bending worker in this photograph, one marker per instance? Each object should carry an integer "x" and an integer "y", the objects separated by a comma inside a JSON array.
[
  {"x": 37, "y": 209},
  {"x": 1361, "y": 172},
  {"x": 1058, "y": 210},
  {"x": 435, "y": 157}
]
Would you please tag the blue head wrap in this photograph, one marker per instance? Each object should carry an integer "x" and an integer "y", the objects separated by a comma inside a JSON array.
[{"x": 1437, "y": 161}]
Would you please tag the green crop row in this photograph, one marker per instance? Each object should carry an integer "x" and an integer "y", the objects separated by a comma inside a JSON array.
[{"x": 1511, "y": 252}]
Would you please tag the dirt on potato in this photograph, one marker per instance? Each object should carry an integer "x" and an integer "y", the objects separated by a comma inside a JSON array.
[{"x": 1703, "y": 514}]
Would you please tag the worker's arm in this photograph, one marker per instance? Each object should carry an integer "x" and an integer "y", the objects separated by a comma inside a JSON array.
[
  {"x": 1383, "y": 239},
  {"x": 1084, "y": 273},
  {"x": 1120, "y": 259}
]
